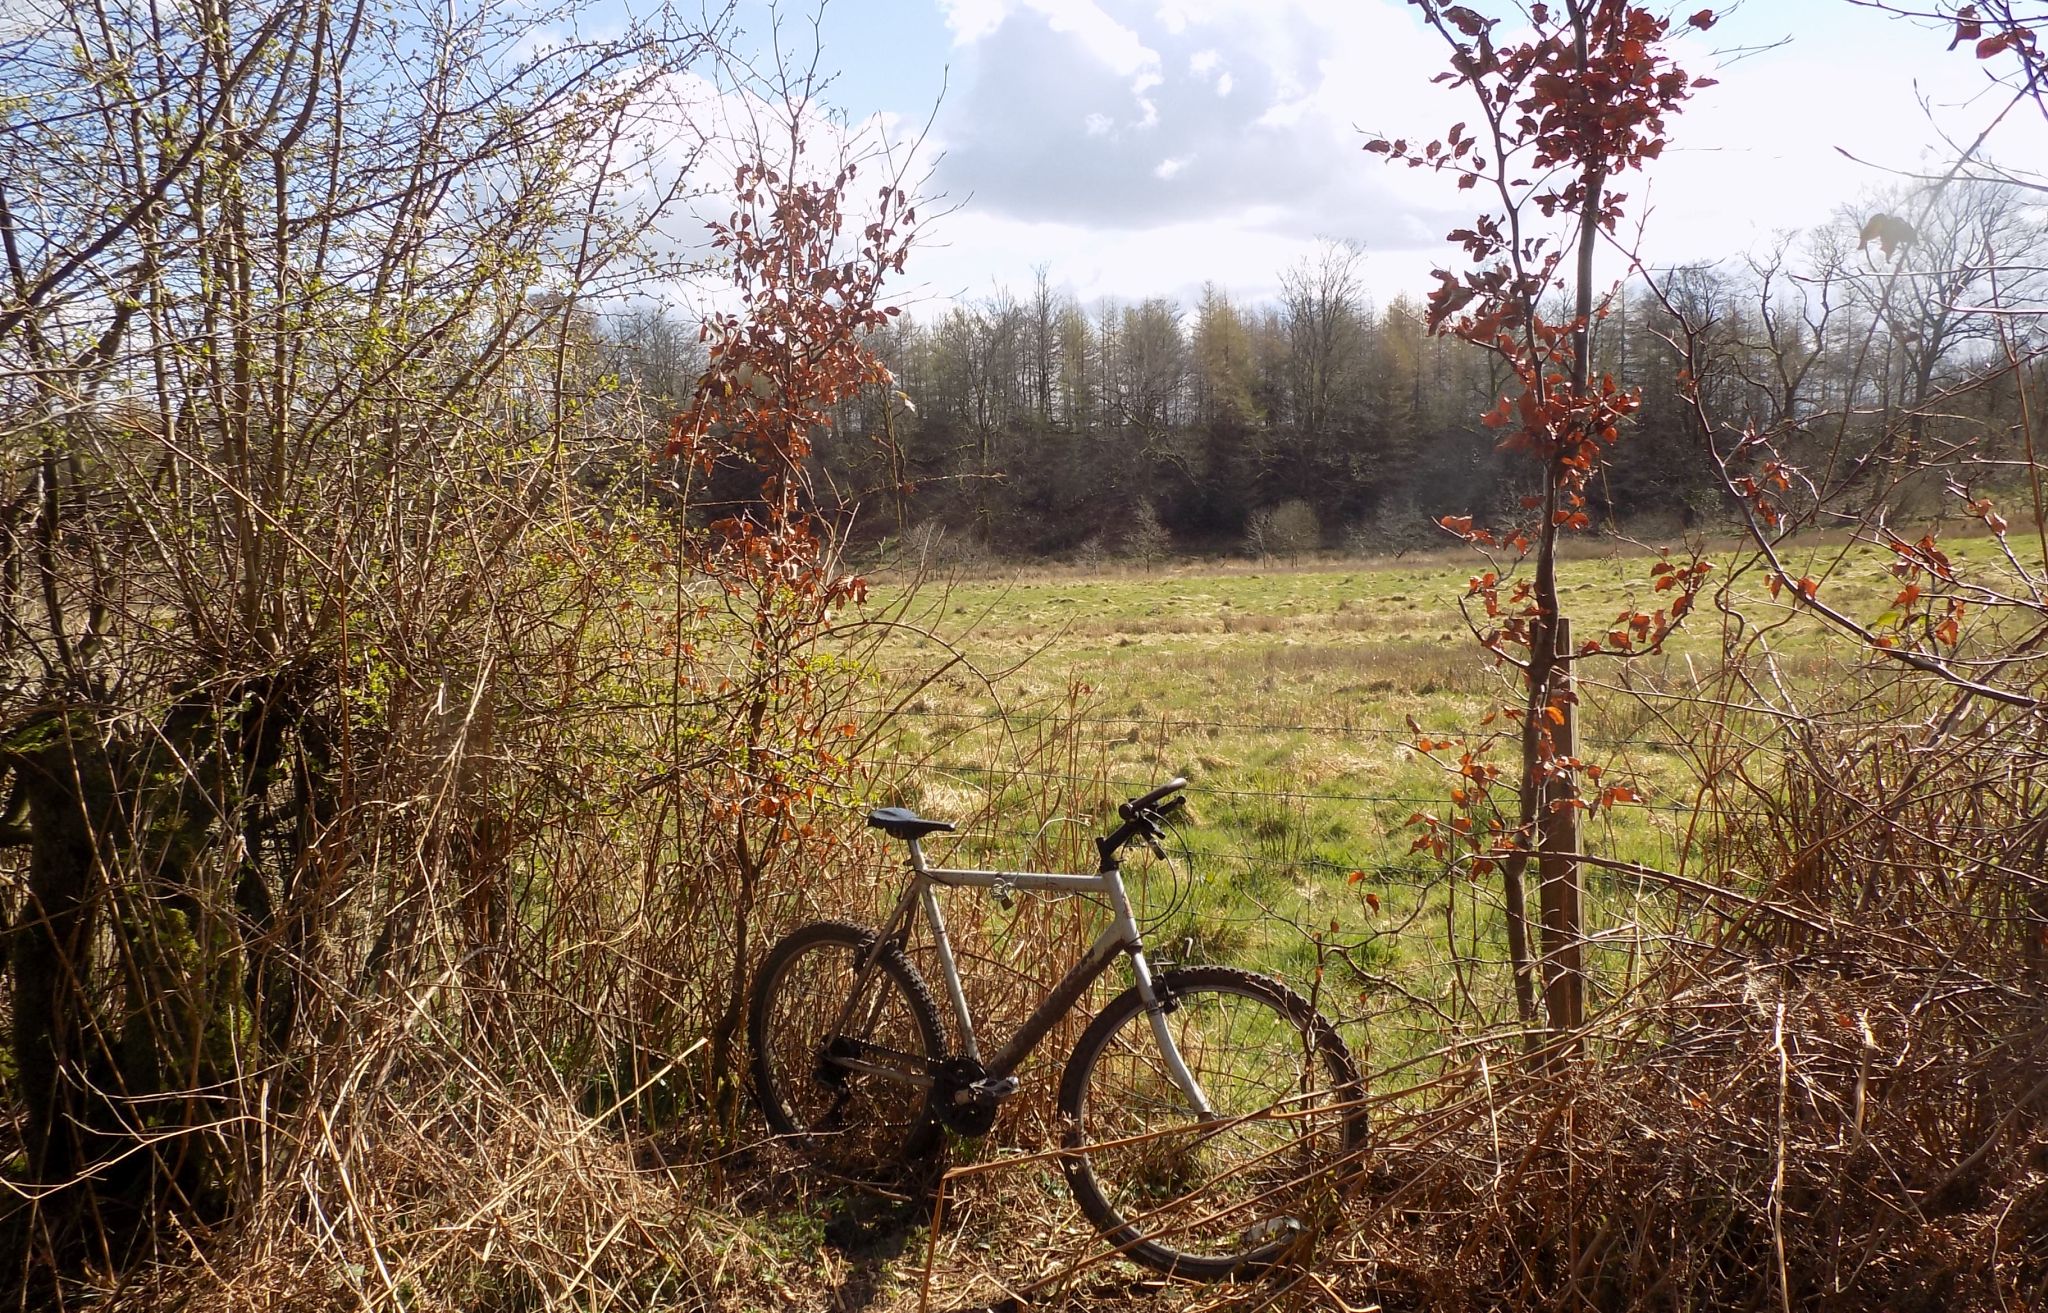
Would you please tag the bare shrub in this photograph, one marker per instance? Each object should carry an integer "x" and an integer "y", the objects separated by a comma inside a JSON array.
[
  {"x": 1393, "y": 529},
  {"x": 388, "y": 824},
  {"x": 1287, "y": 529},
  {"x": 1144, "y": 538},
  {"x": 931, "y": 546}
]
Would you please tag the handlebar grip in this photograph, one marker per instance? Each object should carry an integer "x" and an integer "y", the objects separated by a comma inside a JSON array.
[{"x": 1136, "y": 805}]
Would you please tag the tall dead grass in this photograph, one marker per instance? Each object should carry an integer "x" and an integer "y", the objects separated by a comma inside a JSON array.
[
  {"x": 1827, "y": 1087},
  {"x": 1821, "y": 1087}
]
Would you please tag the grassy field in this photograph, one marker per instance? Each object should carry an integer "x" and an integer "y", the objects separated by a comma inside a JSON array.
[{"x": 1286, "y": 694}]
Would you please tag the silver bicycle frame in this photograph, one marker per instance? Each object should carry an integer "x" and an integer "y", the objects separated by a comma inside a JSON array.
[{"x": 1122, "y": 936}]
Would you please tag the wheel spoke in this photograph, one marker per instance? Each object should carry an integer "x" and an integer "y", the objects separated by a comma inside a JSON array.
[
  {"x": 849, "y": 1101},
  {"x": 1207, "y": 1196}
]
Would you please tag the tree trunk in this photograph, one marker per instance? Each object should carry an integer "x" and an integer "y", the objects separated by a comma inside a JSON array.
[{"x": 70, "y": 795}]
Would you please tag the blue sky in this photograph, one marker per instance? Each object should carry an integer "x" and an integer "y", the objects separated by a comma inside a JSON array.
[{"x": 1144, "y": 147}]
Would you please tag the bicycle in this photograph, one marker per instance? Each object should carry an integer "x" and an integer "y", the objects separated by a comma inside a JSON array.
[{"x": 1208, "y": 1114}]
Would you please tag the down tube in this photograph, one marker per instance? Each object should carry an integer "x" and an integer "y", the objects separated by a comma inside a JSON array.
[{"x": 1062, "y": 998}]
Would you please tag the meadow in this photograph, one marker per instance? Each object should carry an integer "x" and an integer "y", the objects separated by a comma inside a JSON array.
[{"x": 1291, "y": 696}]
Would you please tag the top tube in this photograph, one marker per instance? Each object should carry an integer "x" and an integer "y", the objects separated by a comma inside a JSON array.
[{"x": 964, "y": 878}]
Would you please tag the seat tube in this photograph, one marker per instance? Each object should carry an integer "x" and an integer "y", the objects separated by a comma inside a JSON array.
[
  {"x": 1155, "y": 1007},
  {"x": 936, "y": 919}
]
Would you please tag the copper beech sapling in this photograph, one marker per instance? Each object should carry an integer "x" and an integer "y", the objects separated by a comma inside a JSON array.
[{"x": 1569, "y": 98}]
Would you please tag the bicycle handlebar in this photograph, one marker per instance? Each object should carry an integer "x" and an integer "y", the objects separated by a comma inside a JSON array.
[
  {"x": 1130, "y": 809},
  {"x": 1141, "y": 819}
]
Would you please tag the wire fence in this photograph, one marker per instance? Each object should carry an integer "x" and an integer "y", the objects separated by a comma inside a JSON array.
[{"x": 1170, "y": 724}]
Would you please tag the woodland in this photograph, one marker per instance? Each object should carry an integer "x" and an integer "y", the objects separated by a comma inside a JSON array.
[
  {"x": 1324, "y": 423},
  {"x": 433, "y": 672}
]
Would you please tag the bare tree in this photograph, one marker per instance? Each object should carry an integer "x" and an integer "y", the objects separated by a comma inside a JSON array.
[
  {"x": 1322, "y": 302},
  {"x": 1928, "y": 265}
]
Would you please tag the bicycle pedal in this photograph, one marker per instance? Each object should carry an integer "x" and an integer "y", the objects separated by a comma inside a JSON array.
[{"x": 987, "y": 1090}]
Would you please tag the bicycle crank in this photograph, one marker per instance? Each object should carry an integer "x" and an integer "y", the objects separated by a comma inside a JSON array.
[{"x": 966, "y": 1098}]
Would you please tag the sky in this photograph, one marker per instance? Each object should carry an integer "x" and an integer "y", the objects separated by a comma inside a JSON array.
[{"x": 1145, "y": 147}]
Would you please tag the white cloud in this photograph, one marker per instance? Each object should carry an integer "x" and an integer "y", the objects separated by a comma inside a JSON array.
[
  {"x": 709, "y": 128},
  {"x": 1285, "y": 113},
  {"x": 1105, "y": 39},
  {"x": 1148, "y": 108},
  {"x": 1762, "y": 152},
  {"x": 981, "y": 251},
  {"x": 1057, "y": 62},
  {"x": 971, "y": 20},
  {"x": 1078, "y": 150}
]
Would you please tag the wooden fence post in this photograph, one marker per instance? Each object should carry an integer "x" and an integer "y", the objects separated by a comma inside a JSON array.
[{"x": 1559, "y": 894}]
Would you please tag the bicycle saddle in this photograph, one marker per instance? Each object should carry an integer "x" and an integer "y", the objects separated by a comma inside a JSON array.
[{"x": 903, "y": 823}]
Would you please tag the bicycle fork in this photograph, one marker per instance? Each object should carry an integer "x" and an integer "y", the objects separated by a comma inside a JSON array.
[{"x": 1157, "y": 1007}]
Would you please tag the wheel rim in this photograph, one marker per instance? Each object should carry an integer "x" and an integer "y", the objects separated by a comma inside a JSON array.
[
  {"x": 1240, "y": 1188},
  {"x": 850, "y": 1121}
]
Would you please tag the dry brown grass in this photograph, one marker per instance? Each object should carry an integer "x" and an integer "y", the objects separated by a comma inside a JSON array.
[{"x": 427, "y": 1184}]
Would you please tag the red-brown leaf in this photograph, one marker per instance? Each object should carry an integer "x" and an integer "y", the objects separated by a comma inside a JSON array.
[
  {"x": 1967, "y": 26},
  {"x": 1466, "y": 21}
]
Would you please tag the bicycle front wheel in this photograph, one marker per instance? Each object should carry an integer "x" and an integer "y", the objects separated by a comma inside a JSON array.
[
  {"x": 845, "y": 1078},
  {"x": 1230, "y": 1194}
]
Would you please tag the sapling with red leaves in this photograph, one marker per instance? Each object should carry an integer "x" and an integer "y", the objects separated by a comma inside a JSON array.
[
  {"x": 1570, "y": 97},
  {"x": 809, "y": 295}
]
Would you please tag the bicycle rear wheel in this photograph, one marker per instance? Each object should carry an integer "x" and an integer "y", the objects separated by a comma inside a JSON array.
[
  {"x": 1221, "y": 1197},
  {"x": 850, "y": 1097}
]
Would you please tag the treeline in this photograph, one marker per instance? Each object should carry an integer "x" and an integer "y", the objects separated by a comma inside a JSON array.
[{"x": 1028, "y": 424}]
